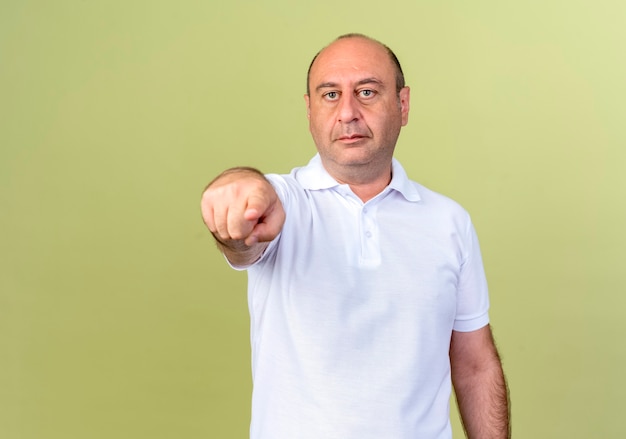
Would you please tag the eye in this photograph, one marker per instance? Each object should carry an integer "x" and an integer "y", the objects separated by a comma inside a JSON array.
[
  {"x": 366, "y": 93},
  {"x": 331, "y": 95}
]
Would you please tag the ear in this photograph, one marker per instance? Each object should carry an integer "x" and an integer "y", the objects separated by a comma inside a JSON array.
[
  {"x": 404, "y": 97},
  {"x": 307, "y": 100}
]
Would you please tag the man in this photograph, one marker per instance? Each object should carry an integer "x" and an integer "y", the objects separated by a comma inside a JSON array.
[{"x": 366, "y": 290}]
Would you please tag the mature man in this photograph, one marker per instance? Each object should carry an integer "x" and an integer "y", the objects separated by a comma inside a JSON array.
[{"x": 367, "y": 294}]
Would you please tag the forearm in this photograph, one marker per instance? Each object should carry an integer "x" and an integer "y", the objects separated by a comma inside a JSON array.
[
  {"x": 479, "y": 383},
  {"x": 482, "y": 397}
]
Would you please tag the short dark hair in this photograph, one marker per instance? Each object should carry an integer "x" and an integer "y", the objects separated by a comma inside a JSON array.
[{"x": 392, "y": 56}]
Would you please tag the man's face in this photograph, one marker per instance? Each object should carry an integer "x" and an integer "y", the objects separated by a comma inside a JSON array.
[{"x": 354, "y": 111}]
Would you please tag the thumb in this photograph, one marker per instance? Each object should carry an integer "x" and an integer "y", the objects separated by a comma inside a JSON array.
[
  {"x": 269, "y": 225},
  {"x": 256, "y": 207}
]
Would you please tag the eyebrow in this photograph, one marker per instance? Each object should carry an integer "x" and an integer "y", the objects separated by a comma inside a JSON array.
[{"x": 364, "y": 81}]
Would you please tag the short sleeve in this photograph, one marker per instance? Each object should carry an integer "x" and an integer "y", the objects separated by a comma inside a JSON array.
[{"x": 472, "y": 295}]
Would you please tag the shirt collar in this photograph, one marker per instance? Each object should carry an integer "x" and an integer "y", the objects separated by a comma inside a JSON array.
[
  {"x": 401, "y": 183},
  {"x": 313, "y": 176}
]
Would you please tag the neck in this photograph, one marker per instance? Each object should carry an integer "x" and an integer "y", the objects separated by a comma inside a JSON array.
[
  {"x": 367, "y": 192},
  {"x": 367, "y": 186}
]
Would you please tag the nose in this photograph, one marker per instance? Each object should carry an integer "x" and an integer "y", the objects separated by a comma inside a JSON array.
[{"x": 348, "y": 109}]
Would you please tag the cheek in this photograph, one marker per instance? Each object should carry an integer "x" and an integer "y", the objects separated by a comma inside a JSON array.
[{"x": 320, "y": 123}]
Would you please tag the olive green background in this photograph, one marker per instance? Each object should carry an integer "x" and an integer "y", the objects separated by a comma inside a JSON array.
[{"x": 119, "y": 319}]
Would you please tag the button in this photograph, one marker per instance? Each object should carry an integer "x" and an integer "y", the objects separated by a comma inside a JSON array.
[{"x": 368, "y": 234}]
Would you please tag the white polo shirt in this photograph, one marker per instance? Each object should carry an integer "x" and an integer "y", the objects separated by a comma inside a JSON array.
[{"x": 352, "y": 309}]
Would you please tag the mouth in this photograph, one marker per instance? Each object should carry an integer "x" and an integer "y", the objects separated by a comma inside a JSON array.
[{"x": 352, "y": 138}]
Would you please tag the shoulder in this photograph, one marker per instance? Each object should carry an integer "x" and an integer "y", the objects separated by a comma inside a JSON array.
[
  {"x": 415, "y": 192},
  {"x": 423, "y": 198},
  {"x": 437, "y": 200},
  {"x": 302, "y": 180}
]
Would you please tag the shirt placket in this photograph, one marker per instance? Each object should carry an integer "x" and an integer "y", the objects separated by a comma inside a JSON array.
[{"x": 369, "y": 235}]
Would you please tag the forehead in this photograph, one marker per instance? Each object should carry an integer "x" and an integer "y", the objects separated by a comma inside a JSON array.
[{"x": 350, "y": 60}]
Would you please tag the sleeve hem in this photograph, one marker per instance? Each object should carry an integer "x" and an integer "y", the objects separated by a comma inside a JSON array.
[{"x": 471, "y": 324}]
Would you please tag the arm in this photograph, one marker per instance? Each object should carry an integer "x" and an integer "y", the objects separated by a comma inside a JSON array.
[
  {"x": 243, "y": 212},
  {"x": 479, "y": 383}
]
